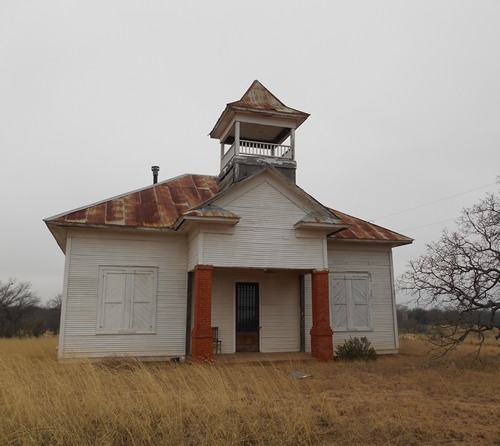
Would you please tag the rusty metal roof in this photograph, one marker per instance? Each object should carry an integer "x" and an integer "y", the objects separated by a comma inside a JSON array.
[
  {"x": 258, "y": 97},
  {"x": 156, "y": 206},
  {"x": 160, "y": 205},
  {"x": 358, "y": 229},
  {"x": 260, "y": 100}
]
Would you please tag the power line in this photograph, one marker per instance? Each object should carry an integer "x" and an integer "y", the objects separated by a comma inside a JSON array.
[
  {"x": 432, "y": 202},
  {"x": 428, "y": 224}
]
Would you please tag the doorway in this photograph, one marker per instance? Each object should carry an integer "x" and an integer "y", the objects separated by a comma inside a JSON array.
[{"x": 247, "y": 317}]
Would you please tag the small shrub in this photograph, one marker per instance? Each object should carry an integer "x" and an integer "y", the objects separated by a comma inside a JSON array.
[{"x": 356, "y": 348}]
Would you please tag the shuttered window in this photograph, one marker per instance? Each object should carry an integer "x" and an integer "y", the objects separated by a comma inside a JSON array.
[
  {"x": 127, "y": 300},
  {"x": 350, "y": 302}
]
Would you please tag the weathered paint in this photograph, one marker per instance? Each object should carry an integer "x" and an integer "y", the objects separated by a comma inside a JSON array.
[{"x": 89, "y": 251}]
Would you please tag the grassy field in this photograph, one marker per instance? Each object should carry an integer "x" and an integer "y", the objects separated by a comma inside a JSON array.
[{"x": 408, "y": 399}]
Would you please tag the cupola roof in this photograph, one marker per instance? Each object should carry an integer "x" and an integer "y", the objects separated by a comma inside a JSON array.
[{"x": 257, "y": 100}]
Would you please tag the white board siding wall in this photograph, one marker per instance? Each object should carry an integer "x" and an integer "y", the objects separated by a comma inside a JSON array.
[
  {"x": 193, "y": 249},
  {"x": 168, "y": 253},
  {"x": 265, "y": 236},
  {"x": 376, "y": 261},
  {"x": 279, "y": 299}
]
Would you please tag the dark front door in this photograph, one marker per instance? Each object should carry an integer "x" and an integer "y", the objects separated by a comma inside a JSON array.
[{"x": 247, "y": 317}]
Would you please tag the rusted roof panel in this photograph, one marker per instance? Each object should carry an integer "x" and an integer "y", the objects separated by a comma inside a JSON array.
[
  {"x": 203, "y": 182},
  {"x": 362, "y": 230},
  {"x": 157, "y": 206},
  {"x": 258, "y": 97},
  {"x": 79, "y": 216},
  {"x": 114, "y": 212},
  {"x": 94, "y": 214},
  {"x": 160, "y": 205}
]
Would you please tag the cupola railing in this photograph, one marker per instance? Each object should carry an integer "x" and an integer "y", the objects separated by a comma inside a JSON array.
[{"x": 257, "y": 149}]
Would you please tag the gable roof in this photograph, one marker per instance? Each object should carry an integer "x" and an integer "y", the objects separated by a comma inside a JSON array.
[
  {"x": 322, "y": 214},
  {"x": 160, "y": 206}
]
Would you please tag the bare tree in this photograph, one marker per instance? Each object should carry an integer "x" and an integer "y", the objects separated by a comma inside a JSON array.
[
  {"x": 55, "y": 302},
  {"x": 53, "y": 313},
  {"x": 461, "y": 271},
  {"x": 16, "y": 301}
]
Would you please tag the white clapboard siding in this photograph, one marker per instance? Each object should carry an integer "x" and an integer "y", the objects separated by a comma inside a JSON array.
[
  {"x": 280, "y": 313},
  {"x": 91, "y": 250},
  {"x": 265, "y": 236},
  {"x": 193, "y": 249},
  {"x": 375, "y": 261},
  {"x": 279, "y": 299}
]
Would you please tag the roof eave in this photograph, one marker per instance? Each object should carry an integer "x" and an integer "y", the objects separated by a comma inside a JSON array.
[
  {"x": 231, "y": 110},
  {"x": 393, "y": 243},
  {"x": 199, "y": 219},
  {"x": 108, "y": 226},
  {"x": 320, "y": 226},
  {"x": 59, "y": 236}
]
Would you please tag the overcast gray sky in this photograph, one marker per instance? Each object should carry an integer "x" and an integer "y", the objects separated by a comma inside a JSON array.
[{"x": 404, "y": 99}]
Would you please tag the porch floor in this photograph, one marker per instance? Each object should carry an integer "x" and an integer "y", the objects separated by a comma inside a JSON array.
[{"x": 242, "y": 357}]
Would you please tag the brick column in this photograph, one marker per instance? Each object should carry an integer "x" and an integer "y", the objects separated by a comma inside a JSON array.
[
  {"x": 321, "y": 331},
  {"x": 202, "y": 346}
]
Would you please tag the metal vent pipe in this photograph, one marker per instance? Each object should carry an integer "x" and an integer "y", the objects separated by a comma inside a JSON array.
[{"x": 155, "y": 170}]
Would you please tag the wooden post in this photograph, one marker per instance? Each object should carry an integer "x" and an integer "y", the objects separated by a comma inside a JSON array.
[
  {"x": 222, "y": 147},
  {"x": 237, "y": 138},
  {"x": 292, "y": 142}
]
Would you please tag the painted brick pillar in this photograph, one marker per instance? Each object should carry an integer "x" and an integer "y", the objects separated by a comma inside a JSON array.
[
  {"x": 202, "y": 345},
  {"x": 321, "y": 331}
]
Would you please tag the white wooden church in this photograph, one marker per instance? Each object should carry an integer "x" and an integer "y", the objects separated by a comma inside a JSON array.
[{"x": 244, "y": 261}]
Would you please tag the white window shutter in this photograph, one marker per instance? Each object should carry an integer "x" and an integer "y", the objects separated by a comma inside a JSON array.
[
  {"x": 114, "y": 292},
  {"x": 360, "y": 300},
  {"x": 142, "y": 301},
  {"x": 350, "y": 301},
  {"x": 338, "y": 309},
  {"x": 127, "y": 300}
]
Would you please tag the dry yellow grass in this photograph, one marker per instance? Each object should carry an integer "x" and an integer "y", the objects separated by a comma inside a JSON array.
[{"x": 407, "y": 399}]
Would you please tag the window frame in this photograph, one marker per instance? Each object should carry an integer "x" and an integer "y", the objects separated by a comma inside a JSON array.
[
  {"x": 127, "y": 300},
  {"x": 350, "y": 303}
]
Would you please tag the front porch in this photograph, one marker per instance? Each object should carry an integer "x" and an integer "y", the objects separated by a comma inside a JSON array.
[{"x": 259, "y": 314}]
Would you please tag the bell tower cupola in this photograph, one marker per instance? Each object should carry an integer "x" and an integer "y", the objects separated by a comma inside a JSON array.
[{"x": 256, "y": 131}]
